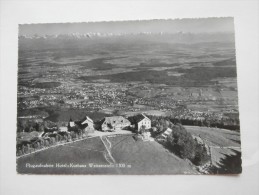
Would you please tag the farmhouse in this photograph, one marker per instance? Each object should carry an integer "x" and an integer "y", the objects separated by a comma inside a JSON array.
[
  {"x": 85, "y": 124},
  {"x": 87, "y": 120},
  {"x": 114, "y": 123},
  {"x": 142, "y": 121}
]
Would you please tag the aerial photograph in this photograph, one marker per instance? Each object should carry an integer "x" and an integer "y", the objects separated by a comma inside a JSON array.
[{"x": 140, "y": 97}]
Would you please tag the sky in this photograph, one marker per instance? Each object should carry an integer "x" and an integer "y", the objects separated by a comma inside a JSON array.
[{"x": 201, "y": 25}]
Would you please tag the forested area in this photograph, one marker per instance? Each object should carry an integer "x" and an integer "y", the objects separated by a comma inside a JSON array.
[{"x": 179, "y": 141}]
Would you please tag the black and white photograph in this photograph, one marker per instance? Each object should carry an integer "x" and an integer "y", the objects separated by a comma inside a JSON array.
[
  {"x": 135, "y": 97},
  {"x": 129, "y": 97}
]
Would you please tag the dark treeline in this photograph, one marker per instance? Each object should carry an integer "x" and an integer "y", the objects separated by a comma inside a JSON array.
[
  {"x": 179, "y": 141},
  {"x": 51, "y": 136},
  {"x": 230, "y": 124},
  {"x": 207, "y": 123},
  {"x": 30, "y": 125}
]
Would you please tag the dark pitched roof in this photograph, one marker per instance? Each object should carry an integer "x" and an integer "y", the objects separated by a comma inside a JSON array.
[
  {"x": 80, "y": 125},
  {"x": 139, "y": 117},
  {"x": 86, "y": 118},
  {"x": 79, "y": 122},
  {"x": 115, "y": 120}
]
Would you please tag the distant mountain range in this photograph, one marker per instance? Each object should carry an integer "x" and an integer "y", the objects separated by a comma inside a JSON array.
[
  {"x": 76, "y": 40},
  {"x": 166, "y": 26},
  {"x": 105, "y": 35},
  {"x": 139, "y": 32}
]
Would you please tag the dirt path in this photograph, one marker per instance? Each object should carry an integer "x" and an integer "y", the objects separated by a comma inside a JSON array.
[{"x": 108, "y": 155}]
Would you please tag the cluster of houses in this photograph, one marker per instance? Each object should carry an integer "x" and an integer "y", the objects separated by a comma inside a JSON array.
[
  {"x": 112, "y": 123},
  {"x": 28, "y": 142}
]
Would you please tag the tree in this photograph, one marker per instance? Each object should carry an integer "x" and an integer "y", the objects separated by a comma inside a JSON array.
[
  {"x": 69, "y": 138},
  {"x": 37, "y": 126},
  {"x": 142, "y": 129},
  {"x": 46, "y": 143},
  {"x": 182, "y": 144},
  {"x": 73, "y": 135},
  {"x": 19, "y": 152},
  {"x": 52, "y": 140},
  {"x": 201, "y": 155},
  {"x": 160, "y": 128},
  {"x": 65, "y": 137},
  {"x": 41, "y": 128},
  {"x": 21, "y": 125}
]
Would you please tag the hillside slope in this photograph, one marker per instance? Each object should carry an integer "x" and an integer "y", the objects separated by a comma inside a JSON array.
[
  {"x": 139, "y": 157},
  {"x": 147, "y": 157}
]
